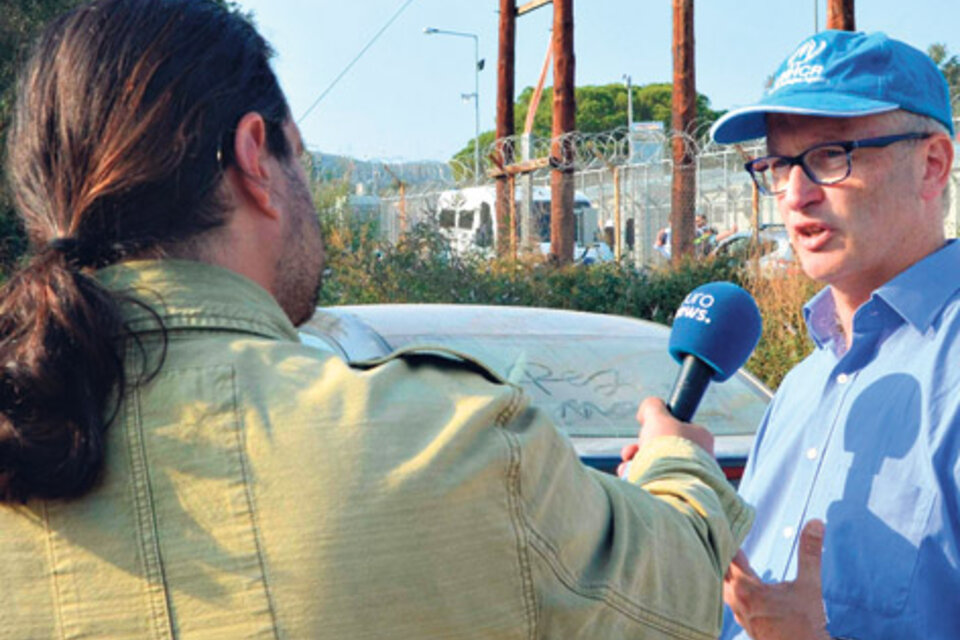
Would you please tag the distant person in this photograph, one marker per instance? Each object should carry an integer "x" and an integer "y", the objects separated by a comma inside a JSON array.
[
  {"x": 705, "y": 239},
  {"x": 174, "y": 463},
  {"x": 865, "y": 433},
  {"x": 662, "y": 242}
]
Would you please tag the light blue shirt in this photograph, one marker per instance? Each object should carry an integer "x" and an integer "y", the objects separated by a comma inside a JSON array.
[{"x": 869, "y": 441}]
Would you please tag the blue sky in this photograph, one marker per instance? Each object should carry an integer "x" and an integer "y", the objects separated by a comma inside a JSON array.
[{"x": 402, "y": 99}]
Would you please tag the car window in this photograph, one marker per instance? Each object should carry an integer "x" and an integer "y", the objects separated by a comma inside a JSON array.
[
  {"x": 465, "y": 221},
  {"x": 447, "y": 218},
  {"x": 734, "y": 247}
]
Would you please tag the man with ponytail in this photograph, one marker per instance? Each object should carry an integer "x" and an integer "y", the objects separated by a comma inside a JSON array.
[{"x": 174, "y": 463}]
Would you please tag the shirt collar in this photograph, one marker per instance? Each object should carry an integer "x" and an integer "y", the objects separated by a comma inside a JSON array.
[
  {"x": 821, "y": 318},
  {"x": 917, "y": 295}
]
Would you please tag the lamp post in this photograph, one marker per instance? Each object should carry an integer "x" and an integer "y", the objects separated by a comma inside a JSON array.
[{"x": 476, "y": 91}]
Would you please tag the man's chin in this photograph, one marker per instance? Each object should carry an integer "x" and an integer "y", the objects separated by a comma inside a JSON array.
[{"x": 817, "y": 266}]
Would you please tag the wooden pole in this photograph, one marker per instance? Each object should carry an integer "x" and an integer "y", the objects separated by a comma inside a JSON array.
[
  {"x": 506, "y": 62},
  {"x": 564, "y": 121},
  {"x": 682, "y": 197},
  {"x": 840, "y": 15}
]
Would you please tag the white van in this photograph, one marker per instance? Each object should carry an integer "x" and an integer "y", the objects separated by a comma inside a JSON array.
[{"x": 466, "y": 217}]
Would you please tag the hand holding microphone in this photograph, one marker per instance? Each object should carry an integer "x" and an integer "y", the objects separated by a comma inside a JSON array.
[{"x": 714, "y": 331}]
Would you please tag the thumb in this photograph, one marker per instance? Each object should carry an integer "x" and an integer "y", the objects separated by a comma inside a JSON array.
[{"x": 810, "y": 553}]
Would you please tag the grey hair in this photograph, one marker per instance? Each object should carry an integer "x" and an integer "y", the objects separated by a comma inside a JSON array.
[{"x": 910, "y": 121}]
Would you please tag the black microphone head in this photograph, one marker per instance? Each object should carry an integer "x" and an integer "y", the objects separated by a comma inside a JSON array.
[{"x": 718, "y": 323}]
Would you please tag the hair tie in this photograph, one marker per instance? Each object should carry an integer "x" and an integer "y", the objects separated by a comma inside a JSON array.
[{"x": 68, "y": 247}]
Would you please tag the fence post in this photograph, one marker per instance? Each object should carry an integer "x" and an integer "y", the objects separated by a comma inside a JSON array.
[{"x": 617, "y": 226}]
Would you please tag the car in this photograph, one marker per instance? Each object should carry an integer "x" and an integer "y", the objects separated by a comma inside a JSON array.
[
  {"x": 775, "y": 251},
  {"x": 588, "y": 371}
]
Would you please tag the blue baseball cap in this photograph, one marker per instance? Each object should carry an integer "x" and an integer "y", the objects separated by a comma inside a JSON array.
[{"x": 845, "y": 74}]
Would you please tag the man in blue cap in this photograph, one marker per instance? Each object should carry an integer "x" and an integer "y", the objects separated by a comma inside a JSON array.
[{"x": 864, "y": 434}]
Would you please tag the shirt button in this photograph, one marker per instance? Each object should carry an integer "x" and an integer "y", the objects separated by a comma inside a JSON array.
[
  {"x": 812, "y": 453},
  {"x": 843, "y": 378},
  {"x": 788, "y": 532}
]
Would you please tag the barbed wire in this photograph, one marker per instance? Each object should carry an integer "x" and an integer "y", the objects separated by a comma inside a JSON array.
[{"x": 579, "y": 151}]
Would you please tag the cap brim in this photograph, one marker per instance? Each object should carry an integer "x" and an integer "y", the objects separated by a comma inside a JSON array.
[{"x": 749, "y": 123}]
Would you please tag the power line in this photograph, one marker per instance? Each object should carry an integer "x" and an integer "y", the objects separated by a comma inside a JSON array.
[{"x": 354, "y": 61}]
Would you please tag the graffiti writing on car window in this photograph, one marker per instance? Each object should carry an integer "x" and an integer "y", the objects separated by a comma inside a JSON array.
[
  {"x": 604, "y": 382},
  {"x": 576, "y": 410}
]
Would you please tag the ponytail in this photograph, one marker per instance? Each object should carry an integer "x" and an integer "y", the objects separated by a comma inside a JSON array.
[
  {"x": 122, "y": 129},
  {"x": 61, "y": 361}
]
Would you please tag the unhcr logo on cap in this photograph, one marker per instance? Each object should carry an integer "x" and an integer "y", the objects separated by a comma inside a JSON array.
[{"x": 800, "y": 67}]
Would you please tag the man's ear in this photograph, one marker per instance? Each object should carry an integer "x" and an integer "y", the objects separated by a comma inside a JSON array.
[
  {"x": 938, "y": 161},
  {"x": 254, "y": 172}
]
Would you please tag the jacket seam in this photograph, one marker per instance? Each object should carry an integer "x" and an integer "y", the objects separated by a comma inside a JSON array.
[
  {"x": 251, "y": 504},
  {"x": 161, "y": 614},
  {"x": 210, "y": 322},
  {"x": 515, "y": 508},
  {"x": 612, "y": 597}
]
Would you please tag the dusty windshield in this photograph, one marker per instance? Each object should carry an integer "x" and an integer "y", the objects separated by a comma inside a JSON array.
[{"x": 591, "y": 385}]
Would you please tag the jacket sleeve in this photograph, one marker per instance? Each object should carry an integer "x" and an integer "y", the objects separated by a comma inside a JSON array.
[
  {"x": 621, "y": 557},
  {"x": 592, "y": 555}
]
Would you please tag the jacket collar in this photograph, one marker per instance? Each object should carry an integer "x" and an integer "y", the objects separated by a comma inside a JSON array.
[{"x": 188, "y": 294}]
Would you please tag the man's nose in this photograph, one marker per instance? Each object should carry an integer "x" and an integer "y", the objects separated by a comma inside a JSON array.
[{"x": 800, "y": 190}]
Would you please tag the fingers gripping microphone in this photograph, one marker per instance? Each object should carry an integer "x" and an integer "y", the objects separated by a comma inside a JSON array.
[{"x": 714, "y": 331}]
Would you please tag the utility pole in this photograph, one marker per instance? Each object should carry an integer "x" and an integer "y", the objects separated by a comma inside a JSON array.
[
  {"x": 562, "y": 224},
  {"x": 506, "y": 62},
  {"x": 840, "y": 15},
  {"x": 682, "y": 197}
]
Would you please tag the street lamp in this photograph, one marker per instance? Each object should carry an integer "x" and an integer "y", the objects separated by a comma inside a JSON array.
[{"x": 476, "y": 91}]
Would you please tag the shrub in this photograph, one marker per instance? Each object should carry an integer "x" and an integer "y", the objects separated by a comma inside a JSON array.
[{"x": 784, "y": 341}]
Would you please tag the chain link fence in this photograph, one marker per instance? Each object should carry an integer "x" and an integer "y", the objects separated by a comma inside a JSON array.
[{"x": 627, "y": 180}]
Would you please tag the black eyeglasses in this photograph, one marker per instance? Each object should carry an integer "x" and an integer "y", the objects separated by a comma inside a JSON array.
[{"x": 827, "y": 163}]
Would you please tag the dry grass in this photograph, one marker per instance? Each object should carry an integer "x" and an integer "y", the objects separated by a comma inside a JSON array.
[{"x": 784, "y": 342}]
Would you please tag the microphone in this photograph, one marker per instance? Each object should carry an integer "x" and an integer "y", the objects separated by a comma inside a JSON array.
[{"x": 714, "y": 331}]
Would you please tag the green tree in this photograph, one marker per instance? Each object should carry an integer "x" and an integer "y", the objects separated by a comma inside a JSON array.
[
  {"x": 950, "y": 66},
  {"x": 599, "y": 108}
]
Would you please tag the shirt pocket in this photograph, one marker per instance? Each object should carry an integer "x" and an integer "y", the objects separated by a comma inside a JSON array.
[{"x": 871, "y": 547}]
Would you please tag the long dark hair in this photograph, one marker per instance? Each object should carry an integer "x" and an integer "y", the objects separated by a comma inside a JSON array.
[{"x": 123, "y": 125}]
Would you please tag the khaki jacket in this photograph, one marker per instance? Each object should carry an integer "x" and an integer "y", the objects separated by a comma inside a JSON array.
[{"x": 258, "y": 488}]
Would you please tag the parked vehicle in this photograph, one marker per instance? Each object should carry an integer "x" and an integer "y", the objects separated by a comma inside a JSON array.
[
  {"x": 588, "y": 371},
  {"x": 775, "y": 251},
  {"x": 467, "y": 218}
]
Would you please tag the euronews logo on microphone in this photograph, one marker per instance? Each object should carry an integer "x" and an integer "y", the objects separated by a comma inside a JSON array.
[{"x": 696, "y": 306}]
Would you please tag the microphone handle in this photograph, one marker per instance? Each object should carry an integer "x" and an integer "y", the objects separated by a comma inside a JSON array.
[{"x": 689, "y": 387}]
